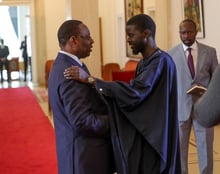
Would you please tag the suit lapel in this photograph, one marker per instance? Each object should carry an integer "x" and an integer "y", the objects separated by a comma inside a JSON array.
[
  {"x": 85, "y": 68},
  {"x": 201, "y": 57},
  {"x": 183, "y": 60},
  {"x": 73, "y": 62}
]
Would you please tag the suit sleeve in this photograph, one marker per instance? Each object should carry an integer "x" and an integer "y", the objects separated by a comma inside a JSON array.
[
  {"x": 207, "y": 109},
  {"x": 84, "y": 108},
  {"x": 214, "y": 61},
  {"x": 7, "y": 52}
]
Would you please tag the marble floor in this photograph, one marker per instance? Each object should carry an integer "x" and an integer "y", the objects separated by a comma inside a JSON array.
[{"x": 193, "y": 161}]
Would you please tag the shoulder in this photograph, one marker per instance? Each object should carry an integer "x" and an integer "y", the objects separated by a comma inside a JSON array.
[
  {"x": 165, "y": 54},
  {"x": 216, "y": 78},
  {"x": 176, "y": 52},
  {"x": 204, "y": 46},
  {"x": 175, "y": 49},
  {"x": 164, "y": 57}
]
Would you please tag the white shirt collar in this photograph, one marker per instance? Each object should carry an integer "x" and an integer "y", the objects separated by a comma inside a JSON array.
[
  {"x": 72, "y": 56},
  {"x": 193, "y": 46}
]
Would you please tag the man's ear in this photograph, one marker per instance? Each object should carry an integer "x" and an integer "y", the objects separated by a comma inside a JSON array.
[
  {"x": 147, "y": 33},
  {"x": 196, "y": 32},
  {"x": 73, "y": 41}
]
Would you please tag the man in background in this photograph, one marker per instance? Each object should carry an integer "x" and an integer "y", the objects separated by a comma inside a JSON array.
[
  {"x": 195, "y": 63},
  {"x": 4, "y": 52},
  {"x": 23, "y": 47}
]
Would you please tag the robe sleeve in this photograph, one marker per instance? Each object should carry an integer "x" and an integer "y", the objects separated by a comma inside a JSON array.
[{"x": 145, "y": 108}]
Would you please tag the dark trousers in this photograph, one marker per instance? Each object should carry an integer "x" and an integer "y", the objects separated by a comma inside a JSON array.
[
  {"x": 5, "y": 64},
  {"x": 25, "y": 67}
]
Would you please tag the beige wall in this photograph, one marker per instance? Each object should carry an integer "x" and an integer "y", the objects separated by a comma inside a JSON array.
[
  {"x": 48, "y": 18},
  {"x": 167, "y": 14},
  {"x": 54, "y": 15},
  {"x": 38, "y": 41},
  {"x": 111, "y": 22},
  {"x": 87, "y": 11},
  {"x": 211, "y": 24},
  {"x": 113, "y": 27}
]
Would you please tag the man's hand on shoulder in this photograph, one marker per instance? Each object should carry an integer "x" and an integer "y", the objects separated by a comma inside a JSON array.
[{"x": 77, "y": 73}]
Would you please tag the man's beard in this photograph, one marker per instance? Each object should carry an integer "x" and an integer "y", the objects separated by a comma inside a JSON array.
[
  {"x": 135, "y": 52},
  {"x": 139, "y": 47}
]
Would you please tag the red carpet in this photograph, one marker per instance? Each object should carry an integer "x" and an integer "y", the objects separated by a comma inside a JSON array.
[{"x": 27, "y": 139}]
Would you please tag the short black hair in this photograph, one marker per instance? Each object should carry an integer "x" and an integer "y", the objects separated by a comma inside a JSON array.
[
  {"x": 67, "y": 29},
  {"x": 190, "y": 21},
  {"x": 143, "y": 22}
]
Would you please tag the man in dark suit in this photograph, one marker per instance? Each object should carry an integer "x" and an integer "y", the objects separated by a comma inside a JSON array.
[
  {"x": 204, "y": 63},
  {"x": 80, "y": 116},
  {"x": 23, "y": 47},
  {"x": 4, "y": 52}
]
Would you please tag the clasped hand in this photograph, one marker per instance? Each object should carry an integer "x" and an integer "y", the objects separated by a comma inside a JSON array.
[{"x": 76, "y": 73}]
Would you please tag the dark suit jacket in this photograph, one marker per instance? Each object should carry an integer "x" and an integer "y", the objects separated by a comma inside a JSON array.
[
  {"x": 207, "y": 108},
  {"x": 4, "y": 51},
  {"x": 81, "y": 123},
  {"x": 24, "y": 50}
]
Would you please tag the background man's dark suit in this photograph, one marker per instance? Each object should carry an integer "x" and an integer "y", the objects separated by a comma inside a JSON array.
[
  {"x": 4, "y": 52},
  {"x": 23, "y": 47}
]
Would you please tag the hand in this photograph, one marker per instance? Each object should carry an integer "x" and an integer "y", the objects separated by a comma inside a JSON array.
[
  {"x": 76, "y": 73},
  {"x": 2, "y": 59}
]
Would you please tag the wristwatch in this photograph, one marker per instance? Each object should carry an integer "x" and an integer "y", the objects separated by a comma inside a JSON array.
[{"x": 91, "y": 80}]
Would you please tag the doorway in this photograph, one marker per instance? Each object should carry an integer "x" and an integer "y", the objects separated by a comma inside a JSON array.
[{"x": 15, "y": 26}]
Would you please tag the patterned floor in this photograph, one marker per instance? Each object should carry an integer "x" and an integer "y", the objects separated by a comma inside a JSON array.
[{"x": 193, "y": 160}]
